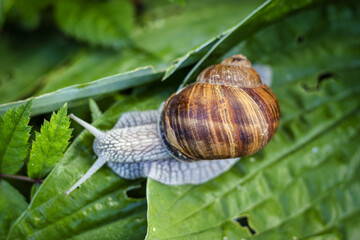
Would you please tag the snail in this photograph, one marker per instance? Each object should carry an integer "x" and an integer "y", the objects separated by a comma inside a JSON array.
[{"x": 197, "y": 134}]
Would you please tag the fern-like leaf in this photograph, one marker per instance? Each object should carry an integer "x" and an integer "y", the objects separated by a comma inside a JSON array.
[
  {"x": 49, "y": 144},
  {"x": 14, "y": 136}
]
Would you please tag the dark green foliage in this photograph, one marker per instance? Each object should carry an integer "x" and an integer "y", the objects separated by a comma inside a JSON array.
[
  {"x": 28, "y": 60},
  {"x": 12, "y": 205},
  {"x": 28, "y": 14},
  {"x": 106, "y": 23},
  {"x": 182, "y": 2},
  {"x": 14, "y": 135}
]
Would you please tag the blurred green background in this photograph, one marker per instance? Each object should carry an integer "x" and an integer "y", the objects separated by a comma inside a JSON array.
[{"x": 107, "y": 57}]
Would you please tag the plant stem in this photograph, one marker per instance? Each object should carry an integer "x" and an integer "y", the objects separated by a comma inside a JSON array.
[{"x": 22, "y": 178}]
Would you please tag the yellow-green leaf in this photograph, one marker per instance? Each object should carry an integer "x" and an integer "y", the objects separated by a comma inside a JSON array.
[
  {"x": 94, "y": 109},
  {"x": 49, "y": 144}
]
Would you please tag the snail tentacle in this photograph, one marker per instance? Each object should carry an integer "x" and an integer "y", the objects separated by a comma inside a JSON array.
[
  {"x": 94, "y": 131},
  {"x": 98, "y": 164}
]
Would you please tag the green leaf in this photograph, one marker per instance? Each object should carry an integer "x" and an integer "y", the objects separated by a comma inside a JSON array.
[
  {"x": 76, "y": 93},
  {"x": 153, "y": 40},
  {"x": 269, "y": 13},
  {"x": 28, "y": 14},
  {"x": 304, "y": 184},
  {"x": 34, "y": 188},
  {"x": 80, "y": 65},
  {"x": 12, "y": 205},
  {"x": 14, "y": 135},
  {"x": 106, "y": 23},
  {"x": 94, "y": 109},
  {"x": 181, "y": 2},
  {"x": 28, "y": 59},
  {"x": 190, "y": 58},
  {"x": 101, "y": 208},
  {"x": 190, "y": 27},
  {"x": 5, "y": 6},
  {"x": 49, "y": 144}
]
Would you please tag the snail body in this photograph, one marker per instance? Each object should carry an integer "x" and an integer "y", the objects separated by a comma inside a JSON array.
[{"x": 197, "y": 134}]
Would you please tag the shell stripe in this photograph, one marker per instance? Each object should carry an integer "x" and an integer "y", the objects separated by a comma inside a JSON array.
[
  {"x": 268, "y": 104},
  {"x": 221, "y": 133},
  {"x": 224, "y": 126},
  {"x": 248, "y": 120}
]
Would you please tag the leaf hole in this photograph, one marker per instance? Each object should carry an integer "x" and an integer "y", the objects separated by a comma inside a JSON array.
[
  {"x": 325, "y": 76},
  {"x": 243, "y": 221},
  {"x": 300, "y": 39},
  {"x": 289, "y": 133},
  {"x": 322, "y": 77},
  {"x": 137, "y": 192},
  {"x": 139, "y": 7}
]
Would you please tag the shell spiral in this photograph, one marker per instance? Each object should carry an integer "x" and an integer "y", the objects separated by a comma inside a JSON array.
[{"x": 227, "y": 113}]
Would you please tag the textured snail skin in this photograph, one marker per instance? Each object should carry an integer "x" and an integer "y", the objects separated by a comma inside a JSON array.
[
  {"x": 227, "y": 113},
  {"x": 133, "y": 149}
]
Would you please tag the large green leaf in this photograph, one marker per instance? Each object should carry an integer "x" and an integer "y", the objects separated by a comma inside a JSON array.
[
  {"x": 12, "y": 204},
  {"x": 102, "y": 208},
  {"x": 299, "y": 176},
  {"x": 305, "y": 182}
]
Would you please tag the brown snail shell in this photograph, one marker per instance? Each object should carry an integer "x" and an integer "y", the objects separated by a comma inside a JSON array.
[{"x": 227, "y": 113}]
